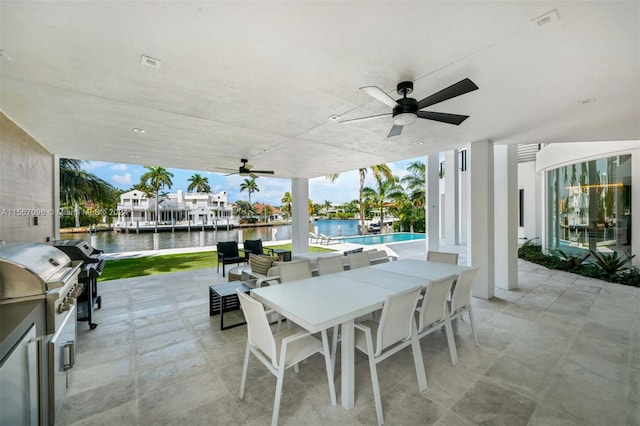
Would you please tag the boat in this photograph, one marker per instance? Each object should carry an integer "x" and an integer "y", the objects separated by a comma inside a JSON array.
[{"x": 374, "y": 225}]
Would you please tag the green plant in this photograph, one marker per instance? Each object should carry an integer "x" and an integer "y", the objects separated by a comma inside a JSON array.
[
  {"x": 630, "y": 277},
  {"x": 611, "y": 264},
  {"x": 572, "y": 262}
]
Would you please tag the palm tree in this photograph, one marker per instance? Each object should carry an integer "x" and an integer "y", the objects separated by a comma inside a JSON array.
[
  {"x": 327, "y": 205},
  {"x": 415, "y": 182},
  {"x": 199, "y": 183},
  {"x": 77, "y": 186},
  {"x": 144, "y": 188},
  {"x": 387, "y": 189},
  {"x": 157, "y": 178},
  {"x": 378, "y": 170},
  {"x": 243, "y": 209},
  {"x": 251, "y": 186},
  {"x": 312, "y": 208},
  {"x": 287, "y": 200},
  {"x": 267, "y": 211}
]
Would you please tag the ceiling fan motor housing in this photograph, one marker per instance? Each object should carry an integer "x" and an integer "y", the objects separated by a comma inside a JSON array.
[
  {"x": 404, "y": 88},
  {"x": 406, "y": 112}
]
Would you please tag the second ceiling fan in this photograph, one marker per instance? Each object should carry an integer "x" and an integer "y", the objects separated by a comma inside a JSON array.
[
  {"x": 407, "y": 110},
  {"x": 246, "y": 170}
]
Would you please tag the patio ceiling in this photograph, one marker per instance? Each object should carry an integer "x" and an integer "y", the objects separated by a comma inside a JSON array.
[{"x": 260, "y": 80}]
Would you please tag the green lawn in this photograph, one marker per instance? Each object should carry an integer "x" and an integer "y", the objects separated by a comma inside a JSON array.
[{"x": 166, "y": 263}]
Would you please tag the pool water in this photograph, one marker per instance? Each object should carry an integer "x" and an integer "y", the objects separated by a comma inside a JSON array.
[{"x": 383, "y": 238}]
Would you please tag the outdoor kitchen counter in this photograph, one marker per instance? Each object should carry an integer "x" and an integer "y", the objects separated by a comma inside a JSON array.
[{"x": 15, "y": 319}]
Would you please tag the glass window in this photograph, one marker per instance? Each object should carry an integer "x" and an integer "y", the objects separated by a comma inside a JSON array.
[{"x": 590, "y": 206}]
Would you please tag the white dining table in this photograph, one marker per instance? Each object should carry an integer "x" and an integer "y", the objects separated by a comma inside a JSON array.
[
  {"x": 322, "y": 302},
  {"x": 384, "y": 279},
  {"x": 421, "y": 268}
]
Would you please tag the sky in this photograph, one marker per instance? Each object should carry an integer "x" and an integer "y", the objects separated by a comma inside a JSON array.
[{"x": 343, "y": 190}]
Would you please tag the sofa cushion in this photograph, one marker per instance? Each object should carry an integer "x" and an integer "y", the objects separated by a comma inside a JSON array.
[{"x": 260, "y": 264}]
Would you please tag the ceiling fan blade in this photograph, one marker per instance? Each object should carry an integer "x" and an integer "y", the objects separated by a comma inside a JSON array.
[
  {"x": 371, "y": 117},
  {"x": 253, "y": 175},
  {"x": 379, "y": 94},
  {"x": 263, "y": 172},
  {"x": 443, "y": 117},
  {"x": 395, "y": 130},
  {"x": 248, "y": 166},
  {"x": 456, "y": 89}
]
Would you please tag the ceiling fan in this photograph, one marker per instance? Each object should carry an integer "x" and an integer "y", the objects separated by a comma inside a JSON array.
[
  {"x": 247, "y": 170},
  {"x": 407, "y": 110}
]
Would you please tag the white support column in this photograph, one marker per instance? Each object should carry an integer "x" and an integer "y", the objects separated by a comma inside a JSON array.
[
  {"x": 55, "y": 217},
  {"x": 481, "y": 218},
  {"x": 463, "y": 196},
  {"x": 433, "y": 201},
  {"x": 300, "y": 215},
  {"x": 506, "y": 215},
  {"x": 452, "y": 214}
]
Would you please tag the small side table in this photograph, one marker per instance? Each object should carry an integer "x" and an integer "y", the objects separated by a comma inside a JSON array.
[
  {"x": 235, "y": 274},
  {"x": 223, "y": 298},
  {"x": 284, "y": 255}
]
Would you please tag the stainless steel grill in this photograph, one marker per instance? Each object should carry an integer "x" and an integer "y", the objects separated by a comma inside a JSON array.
[
  {"x": 93, "y": 263},
  {"x": 38, "y": 291}
]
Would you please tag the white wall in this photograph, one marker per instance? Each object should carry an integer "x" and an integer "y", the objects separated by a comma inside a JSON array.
[
  {"x": 528, "y": 181},
  {"x": 27, "y": 189}
]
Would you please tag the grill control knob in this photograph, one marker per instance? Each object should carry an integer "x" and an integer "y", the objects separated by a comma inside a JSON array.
[{"x": 63, "y": 307}]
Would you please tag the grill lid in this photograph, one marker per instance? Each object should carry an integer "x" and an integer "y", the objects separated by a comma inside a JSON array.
[{"x": 29, "y": 268}]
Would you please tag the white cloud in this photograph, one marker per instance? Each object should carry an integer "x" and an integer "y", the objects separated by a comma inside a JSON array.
[
  {"x": 120, "y": 167},
  {"x": 92, "y": 165},
  {"x": 123, "y": 179}
]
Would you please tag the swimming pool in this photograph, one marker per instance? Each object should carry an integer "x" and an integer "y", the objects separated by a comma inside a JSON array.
[{"x": 383, "y": 238}]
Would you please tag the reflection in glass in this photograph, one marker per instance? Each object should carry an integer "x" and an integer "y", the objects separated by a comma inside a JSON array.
[{"x": 590, "y": 206}]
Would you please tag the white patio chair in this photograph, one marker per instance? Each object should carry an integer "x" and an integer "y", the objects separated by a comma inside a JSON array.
[
  {"x": 461, "y": 302},
  {"x": 395, "y": 331},
  {"x": 379, "y": 256},
  {"x": 330, "y": 264},
  {"x": 442, "y": 257},
  {"x": 294, "y": 270},
  {"x": 280, "y": 351},
  {"x": 433, "y": 313},
  {"x": 358, "y": 260}
]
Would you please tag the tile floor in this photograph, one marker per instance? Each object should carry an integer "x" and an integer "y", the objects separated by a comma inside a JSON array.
[{"x": 561, "y": 350}]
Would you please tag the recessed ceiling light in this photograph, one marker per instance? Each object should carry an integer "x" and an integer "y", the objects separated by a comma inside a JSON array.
[
  {"x": 545, "y": 19},
  {"x": 135, "y": 156},
  {"x": 137, "y": 130},
  {"x": 418, "y": 143},
  {"x": 587, "y": 101},
  {"x": 150, "y": 62},
  {"x": 334, "y": 117}
]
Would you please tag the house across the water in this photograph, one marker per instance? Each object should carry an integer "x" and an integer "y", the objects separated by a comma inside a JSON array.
[{"x": 182, "y": 210}]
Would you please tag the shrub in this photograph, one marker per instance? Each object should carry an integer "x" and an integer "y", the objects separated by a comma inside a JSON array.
[
  {"x": 609, "y": 267},
  {"x": 571, "y": 262},
  {"x": 611, "y": 264}
]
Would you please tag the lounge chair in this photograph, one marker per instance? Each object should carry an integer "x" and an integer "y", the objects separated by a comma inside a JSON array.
[
  {"x": 252, "y": 246},
  {"x": 227, "y": 254}
]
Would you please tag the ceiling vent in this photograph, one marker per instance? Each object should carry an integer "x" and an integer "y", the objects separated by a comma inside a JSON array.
[
  {"x": 545, "y": 19},
  {"x": 150, "y": 62}
]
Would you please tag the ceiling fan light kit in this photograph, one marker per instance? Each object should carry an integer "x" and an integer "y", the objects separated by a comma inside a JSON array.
[{"x": 407, "y": 110}]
